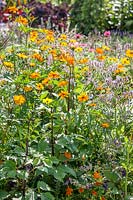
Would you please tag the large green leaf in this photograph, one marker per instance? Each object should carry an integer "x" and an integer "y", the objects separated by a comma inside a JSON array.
[
  {"x": 47, "y": 196},
  {"x": 112, "y": 176},
  {"x": 43, "y": 186}
]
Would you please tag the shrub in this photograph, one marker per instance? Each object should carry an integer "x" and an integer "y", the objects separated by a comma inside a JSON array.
[
  {"x": 49, "y": 15},
  {"x": 100, "y": 15}
]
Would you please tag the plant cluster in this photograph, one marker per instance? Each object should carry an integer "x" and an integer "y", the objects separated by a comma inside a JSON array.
[
  {"x": 49, "y": 15},
  {"x": 65, "y": 116}
]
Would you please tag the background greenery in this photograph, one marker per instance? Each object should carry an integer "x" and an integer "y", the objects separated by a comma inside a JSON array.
[{"x": 88, "y": 15}]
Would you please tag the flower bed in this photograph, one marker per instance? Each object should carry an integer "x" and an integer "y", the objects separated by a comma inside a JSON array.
[{"x": 66, "y": 116}]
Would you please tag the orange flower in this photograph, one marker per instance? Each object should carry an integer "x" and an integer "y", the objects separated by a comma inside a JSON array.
[
  {"x": 97, "y": 175},
  {"x": 83, "y": 97},
  {"x": 81, "y": 190},
  {"x": 22, "y": 55},
  {"x": 32, "y": 64},
  {"x": 118, "y": 71},
  {"x": 8, "y": 64},
  {"x": 33, "y": 35},
  {"x": 62, "y": 83},
  {"x": 53, "y": 52},
  {"x": 63, "y": 94},
  {"x": 50, "y": 38},
  {"x": 67, "y": 155},
  {"x": 39, "y": 86},
  {"x": 44, "y": 47},
  {"x": 69, "y": 191},
  {"x": 78, "y": 49},
  {"x": 53, "y": 75},
  {"x": 102, "y": 198},
  {"x": 94, "y": 193},
  {"x": 19, "y": 99},
  {"x": 99, "y": 50},
  {"x": 99, "y": 88},
  {"x": 101, "y": 58},
  {"x": 35, "y": 75},
  {"x": 125, "y": 61},
  {"x": 38, "y": 57},
  {"x": 98, "y": 183},
  {"x": 13, "y": 9},
  {"x": 63, "y": 36},
  {"x": 27, "y": 88},
  {"x": 129, "y": 53},
  {"x": 22, "y": 20},
  {"x": 83, "y": 60},
  {"x": 45, "y": 81},
  {"x": 105, "y": 125},
  {"x": 120, "y": 66},
  {"x": 70, "y": 60},
  {"x": 92, "y": 104}
]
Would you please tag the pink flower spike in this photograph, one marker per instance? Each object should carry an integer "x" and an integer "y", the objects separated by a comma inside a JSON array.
[
  {"x": 107, "y": 33},
  {"x": 91, "y": 50}
]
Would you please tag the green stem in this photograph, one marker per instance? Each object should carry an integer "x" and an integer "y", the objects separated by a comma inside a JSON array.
[
  {"x": 52, "y": 133},
  {"x": 26, "y": 155},
  {"x": 126, "y": 178}
]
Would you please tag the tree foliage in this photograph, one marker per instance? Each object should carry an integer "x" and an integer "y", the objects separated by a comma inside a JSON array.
[{"x": 102, "y": 14}]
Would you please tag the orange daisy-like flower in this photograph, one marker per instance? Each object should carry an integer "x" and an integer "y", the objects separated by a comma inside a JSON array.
[
  {"x": 35, "y": 75},
  {"x": 70, "y": 60},
  {"x": 32, "y": 64},
  {"x": 102, "y": 198},
  {"x": 97, "y": 175},
  {"x": 120, "y": 66},
  {"x": 63, "y": 36},
  {"x": 38, "y": 57},
  {"x": 33, "y": 35},
  {"x": 83, "y": 97},
  {"x": 69, "y": 191},
  {"x": 81, "y": 190},
  {"x": 12, "y": 9},
  {"x": 92, "y": 104},
  {"x": 63, "y": 94},
  {"x": 105, "y": 125},
  {"x": 8, "y": 64},
  {"x": 119, "y": 71},
  {"x": 62, "y": 83},
  {"x": 22, "y": 20},
  {"x": 67, "y": 155},
  {"x": 99, "y": 50},
  {"x": 83, "y": 60},
  {"x": 101, "y": 58},
  {"x": 125, "y": 61},
  {"x": 78, "y": 49},
  {"x": 129, "y": 53},
  {"x": 50, "y": 38},
  {"x": 27, "y": 88},
  {"x": 39, "y": 86},
  {"x": 19, "y": 99},
  {"x": 99, "y": 88},
  {"x": 53, "y": 75},
  {"x": 98, "y": 183},
  {"x": 22, "y": 55},
  {"x": 45, "y": 81},
  {"x": 94, "y": 193}
]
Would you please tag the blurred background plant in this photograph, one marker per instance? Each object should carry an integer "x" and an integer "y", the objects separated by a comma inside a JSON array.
[{"x": 87, "y": 16}]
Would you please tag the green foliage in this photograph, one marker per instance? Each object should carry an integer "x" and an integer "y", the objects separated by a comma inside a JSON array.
[{"x": 90, "y": 15}]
